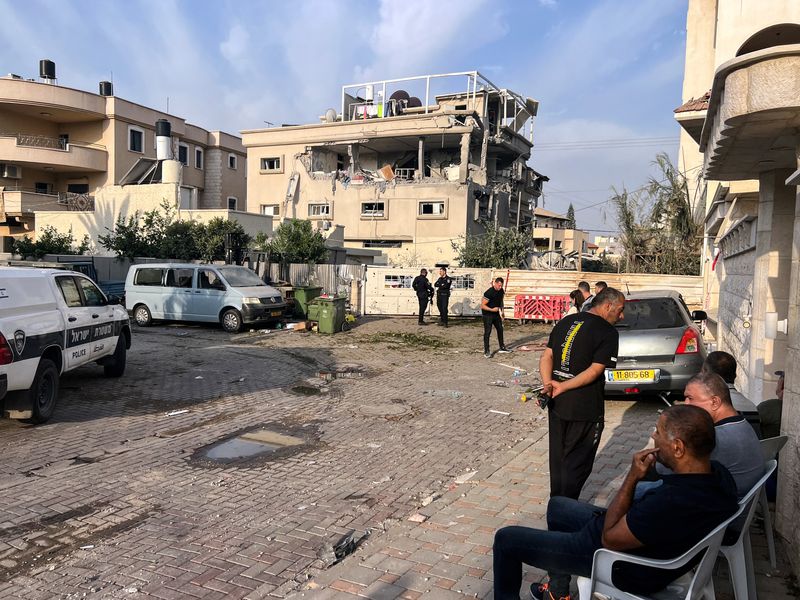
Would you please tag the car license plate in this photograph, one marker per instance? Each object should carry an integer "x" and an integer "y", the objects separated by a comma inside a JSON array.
[
  {"x": 632, "y": 375},
  {"x": 276, "y": 313}
]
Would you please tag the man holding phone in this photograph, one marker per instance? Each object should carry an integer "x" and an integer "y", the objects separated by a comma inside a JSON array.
[{"x": 572, "y": 368}]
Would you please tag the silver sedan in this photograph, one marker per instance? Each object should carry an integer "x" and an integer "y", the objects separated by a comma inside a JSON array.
[{"x": 660, "y": 345}]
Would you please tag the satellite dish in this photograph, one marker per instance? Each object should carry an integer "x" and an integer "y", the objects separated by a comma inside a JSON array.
[
  {"x": 414, "y": 102},
  {"x": 330, "y": 115},
  {"x": 399, "y": 95}
]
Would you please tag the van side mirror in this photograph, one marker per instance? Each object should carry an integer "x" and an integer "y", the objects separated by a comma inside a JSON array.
[{"x": 699, "y": 315}]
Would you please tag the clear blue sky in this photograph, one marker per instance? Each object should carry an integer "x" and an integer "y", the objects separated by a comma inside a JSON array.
[{"x": 601, "y": 69}]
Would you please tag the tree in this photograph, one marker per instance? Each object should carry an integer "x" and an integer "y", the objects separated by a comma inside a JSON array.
[
  {"x": 180, "y": 240},
  {"x": 571, "y": 217},
  {"x": 126, "y": 240},
  {"x": 210, "y": 239},
  {"x": 658, "y": 231},
  {"x": 295, "y": 241},
  {"x": 49, "y": 242},
  {"x": 496, "y": 248}
]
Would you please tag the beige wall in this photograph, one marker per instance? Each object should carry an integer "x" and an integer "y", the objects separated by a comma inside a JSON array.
[{"x": 115, "y": 202}]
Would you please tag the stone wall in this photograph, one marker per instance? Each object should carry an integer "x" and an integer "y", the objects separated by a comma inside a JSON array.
[
  {"x": 212, "y": 194},
  {"x": 735, "y": 277}
]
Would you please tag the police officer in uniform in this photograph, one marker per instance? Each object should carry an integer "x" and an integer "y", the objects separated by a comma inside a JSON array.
[
  {"x": 424, "y": 291},
  {"x": 442, "y": 286}
]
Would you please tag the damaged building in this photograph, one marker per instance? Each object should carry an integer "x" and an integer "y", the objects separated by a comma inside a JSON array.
[{"x": 405, "y": 166}]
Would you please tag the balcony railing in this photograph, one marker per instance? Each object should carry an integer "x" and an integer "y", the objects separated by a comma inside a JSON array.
[{"x": 42, "y": 141}]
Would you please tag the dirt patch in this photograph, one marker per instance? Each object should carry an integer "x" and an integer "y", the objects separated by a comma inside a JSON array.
[{"x": 407, "y": 341}]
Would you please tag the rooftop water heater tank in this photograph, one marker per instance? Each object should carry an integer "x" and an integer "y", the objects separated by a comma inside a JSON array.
[{"x": 47, "y": 69}]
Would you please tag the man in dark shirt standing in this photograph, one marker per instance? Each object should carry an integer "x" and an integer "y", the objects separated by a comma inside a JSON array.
[
  {"x": 424, "y": 291},
  {"x": 492, "y": 311},
  {"x": 443, "y": 294},
  {"x": 572, "y": 367},
  {"x": 664, "y": 523}
]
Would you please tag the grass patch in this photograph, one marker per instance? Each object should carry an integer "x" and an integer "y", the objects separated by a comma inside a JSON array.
[{"x": 407, "y": 341}]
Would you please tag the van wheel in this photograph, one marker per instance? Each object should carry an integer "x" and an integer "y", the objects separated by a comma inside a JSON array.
[
  {"x": 43, "y": 393},
  {"x": 117, "y": 368},
  {"x": 231, "y": 321},
  {"x": 141, "y": 314}
]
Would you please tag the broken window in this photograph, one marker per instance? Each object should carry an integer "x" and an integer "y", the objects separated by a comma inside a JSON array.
[
  {"x": 397, "y": 281},
  {"x": 198, "y": 158},
  {"x": 382, "y": 244},
  {"x": 319, "y": 210},
  {"x": 432, "y": 208},
  {"x": 232, "y": 202},
  {"x": 232, "y": 161},
  {"x": 463, "y": 282},
  {"x": 271, "y": 164},
  {"x": 373, "y": 209},
  {"x": 271, "y": 210},
  {"x": 183, "y": 154}
]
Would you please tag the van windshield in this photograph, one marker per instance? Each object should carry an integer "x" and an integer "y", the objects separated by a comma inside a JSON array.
[{"x": 240, "y": 277}]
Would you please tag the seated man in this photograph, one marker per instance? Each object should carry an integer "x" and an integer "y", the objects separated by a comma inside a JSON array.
[
  {"x": 663, "y": 523},
  {"x": 769, "y": 411},
  {"x": 738, "y": 448},
  {"x": 724, "y": 365}
]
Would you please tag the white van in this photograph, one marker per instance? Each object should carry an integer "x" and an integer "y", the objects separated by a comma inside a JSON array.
[
  {"x": 53, "y": 321},
  {"x": 228, "y": 294}
]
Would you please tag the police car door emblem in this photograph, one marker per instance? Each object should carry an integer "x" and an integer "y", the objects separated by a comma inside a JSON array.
[{"x": 19, "y": 341}]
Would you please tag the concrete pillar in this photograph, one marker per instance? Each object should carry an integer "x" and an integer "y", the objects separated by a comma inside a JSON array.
[
  {"x": 788, "y": 497},
  {"x": 421, "y": 158},
  {"x": 770, "y": 279},
  {"x": 463, "y": 167}
]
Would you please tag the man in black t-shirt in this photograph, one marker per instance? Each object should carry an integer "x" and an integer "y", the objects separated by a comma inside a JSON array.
[
  {"x": 424, "y": 292},
  {"x": 572, "y": 367},
  {"x": 664, "y": 523},
  {"x": 492, "y": 311}
]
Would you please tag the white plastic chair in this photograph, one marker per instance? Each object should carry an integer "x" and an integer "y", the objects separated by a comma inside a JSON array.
[
  {"x": 739, "y": 554},
  {"x": 770, "y": 448},
  {"x": 691, "y": 586}
]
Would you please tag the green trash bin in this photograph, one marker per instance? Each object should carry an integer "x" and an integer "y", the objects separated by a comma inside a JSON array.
[
  {"x": 313, "y": 310},
  {"x": 331, "y": 312},
  {"x": 302, "y": 296}
]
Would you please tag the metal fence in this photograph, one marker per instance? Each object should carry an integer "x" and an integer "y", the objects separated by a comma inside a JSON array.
[{"x": 334, "y": 279}]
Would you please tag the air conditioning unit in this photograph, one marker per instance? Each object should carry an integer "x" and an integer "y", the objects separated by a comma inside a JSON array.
[
  {"x": 326, "y": 225},
  {"x": 12, "y": 172}
]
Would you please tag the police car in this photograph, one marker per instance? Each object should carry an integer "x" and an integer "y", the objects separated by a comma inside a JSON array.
[{"x": 53, "y": 321}]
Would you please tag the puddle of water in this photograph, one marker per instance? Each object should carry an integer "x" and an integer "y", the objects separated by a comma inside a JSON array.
[
  {"x": 306, "y": 390},
  {"x": 248, "y": 445},
  {"x": 239, "y": 448}
]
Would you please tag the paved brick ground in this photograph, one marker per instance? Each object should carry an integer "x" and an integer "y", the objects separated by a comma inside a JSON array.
[{"x": 115, "y": 497}]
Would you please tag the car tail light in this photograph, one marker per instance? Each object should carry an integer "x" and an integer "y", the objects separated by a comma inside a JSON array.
[
  {"x": 631, "y": 390},
  {"x": 690, "y": 342},
  {"x": 6, "y": 356}
]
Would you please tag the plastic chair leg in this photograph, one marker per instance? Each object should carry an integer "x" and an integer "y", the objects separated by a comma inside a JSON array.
[
  {"x": 738, "y": 567},
  {"x": 763, "y": 505},
  {"x": 584, "y": 586},
  {"x": 749, "y": 570}
]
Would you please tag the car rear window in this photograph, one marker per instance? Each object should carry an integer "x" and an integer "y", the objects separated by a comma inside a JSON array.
[
  {"x": 148, "y": 277},
  {"x": 652, "y": 313}
]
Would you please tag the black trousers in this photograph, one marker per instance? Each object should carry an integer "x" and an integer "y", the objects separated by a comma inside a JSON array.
[
  {"x": 441, "y": 303},
  {"x": 573, "y": 446},
  {"x": 492, "y": 320},
  {"x": 423, "y": 305}
]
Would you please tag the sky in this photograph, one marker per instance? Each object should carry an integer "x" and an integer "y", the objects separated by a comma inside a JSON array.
[{"x": 607, "y": 73}]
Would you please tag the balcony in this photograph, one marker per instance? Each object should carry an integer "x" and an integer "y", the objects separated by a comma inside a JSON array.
[
  {"x": 53, "y": 153},
  {"x": 20, "y": 202}
]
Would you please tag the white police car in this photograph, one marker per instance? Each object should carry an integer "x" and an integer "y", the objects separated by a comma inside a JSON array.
[{"x": 53, "y": 321}]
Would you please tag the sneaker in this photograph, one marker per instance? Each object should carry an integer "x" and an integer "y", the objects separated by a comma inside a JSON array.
[
  {"x": 504, "y": 351},
  {"x": 487, "y": 355},
  {"x": 541, "y": 591}
]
